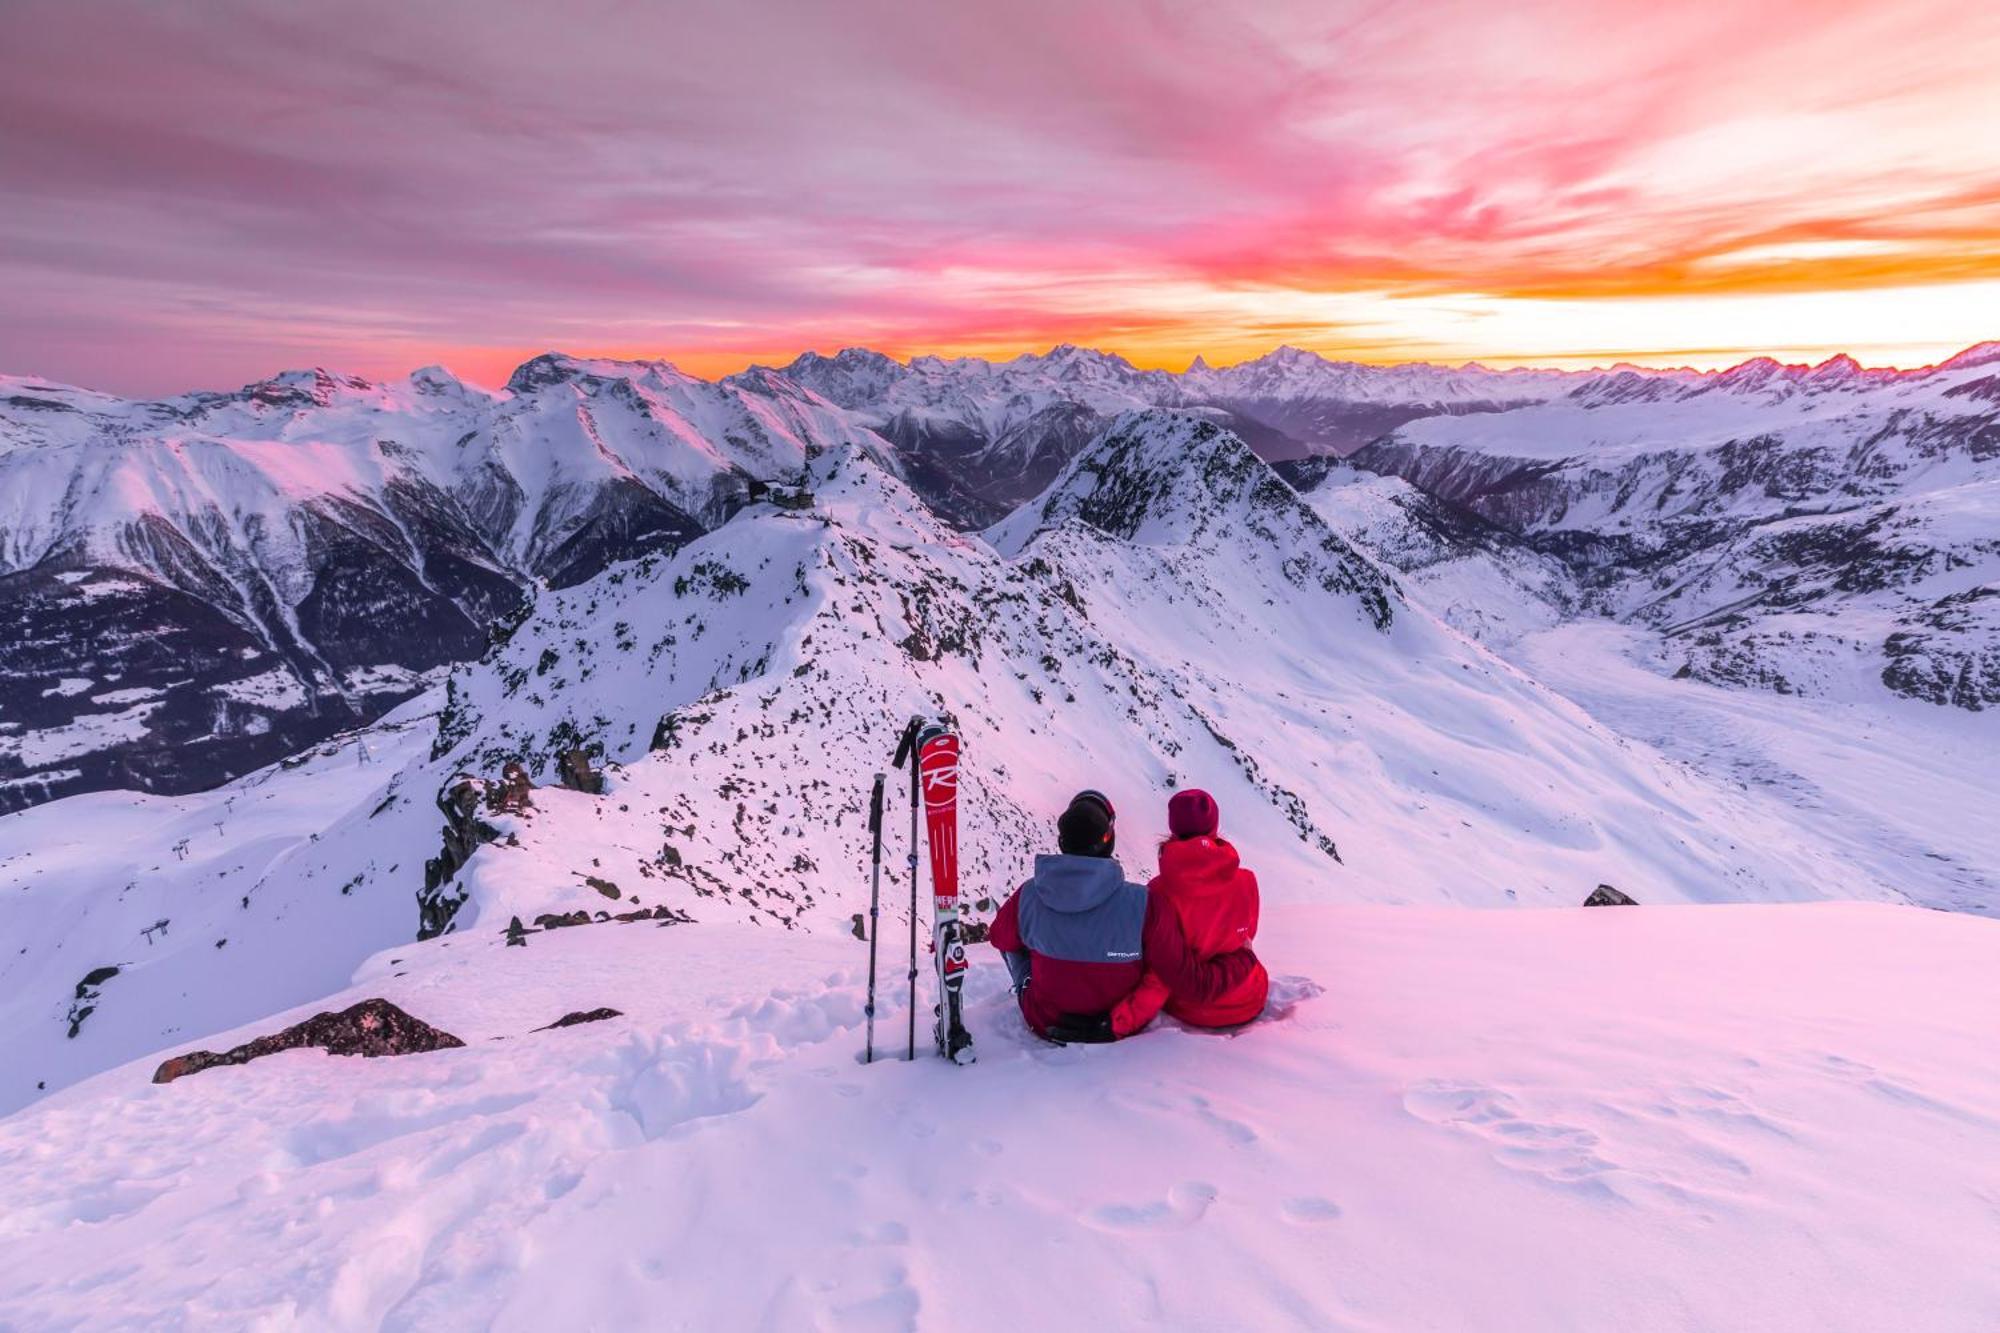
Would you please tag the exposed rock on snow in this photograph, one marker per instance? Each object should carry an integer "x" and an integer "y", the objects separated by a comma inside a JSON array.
[
  {"x": 87, "y": 996},
  {"x": 464, "y": 832},
  {"x": 372, "y": 1028},
  {"x": 515, "y": 792},
  {"x": 574, "y": 1017},
  {"x": 575, "y": 772},
  {"x": 1606, "y": 896}
]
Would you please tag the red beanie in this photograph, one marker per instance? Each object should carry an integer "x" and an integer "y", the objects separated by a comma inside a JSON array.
[{"x": 1192, "y": 814}]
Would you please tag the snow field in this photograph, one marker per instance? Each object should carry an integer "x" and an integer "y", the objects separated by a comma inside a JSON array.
[
  {"x": 1719, "y": 1117},
  {"x": 216, "y": 908}
]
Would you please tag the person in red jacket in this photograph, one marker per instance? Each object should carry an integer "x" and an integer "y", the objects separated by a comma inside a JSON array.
[
  {"x": 1214, "y": 898},
  {"x": 1078, "y": 938}
]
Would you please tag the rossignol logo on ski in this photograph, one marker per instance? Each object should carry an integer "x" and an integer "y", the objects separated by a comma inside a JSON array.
[
  {"x": 937, "y": 775},
  {"x": 938, "y": 768}
]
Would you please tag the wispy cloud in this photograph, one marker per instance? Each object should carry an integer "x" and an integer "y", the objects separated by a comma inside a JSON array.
[{"x": 203, "y": 193}]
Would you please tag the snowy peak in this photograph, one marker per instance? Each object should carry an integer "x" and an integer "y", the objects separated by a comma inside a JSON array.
[
  {"x": 1149, "y": 476},
  {"x": 318, "y": 387},
  {"x": 438, "y": 382},
  {"x": 1836, "y": 370},
  {"x": 850, "y": 377},
  {"x": 553, "y": 368},
  {"x": 1628, "y": 384},
  {"x": 1980, "y": 354},
  {"x": 1173, "y": 480},
  {"x": 1072, "y": 364},
  {"x": 1292, "y": 373},
  {"x": 288, "y": 391},
  {"x": 1757, "y": 371},
  {"x": 544, "y": 371}
]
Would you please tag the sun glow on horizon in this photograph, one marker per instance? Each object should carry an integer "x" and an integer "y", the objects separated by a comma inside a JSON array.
[{"x": 1903, "y": 328}]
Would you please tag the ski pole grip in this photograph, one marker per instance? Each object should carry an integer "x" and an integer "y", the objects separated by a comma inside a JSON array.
[
  {"x": 908, "y": 741},
  {"x": 875, "y": 806}
]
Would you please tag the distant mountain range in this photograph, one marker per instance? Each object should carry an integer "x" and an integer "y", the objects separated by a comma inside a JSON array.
[{"x": 197, "y": 586}]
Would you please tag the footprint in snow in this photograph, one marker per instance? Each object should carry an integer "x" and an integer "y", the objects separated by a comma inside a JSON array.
[
  {"x": 1234, "y": 1130},
  {"x": 1561, "y": 1153},
  {"x": 1311, "y": 1210},
  {"x": 884, "y": 1233},
  {"x": 1185, "y": 1205}
]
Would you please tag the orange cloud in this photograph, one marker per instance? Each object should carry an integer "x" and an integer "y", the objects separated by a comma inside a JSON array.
[{"x": 203, "y": 194}]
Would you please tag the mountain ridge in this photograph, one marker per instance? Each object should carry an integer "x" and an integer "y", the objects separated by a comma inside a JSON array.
[{"x": 300, "y": 551}]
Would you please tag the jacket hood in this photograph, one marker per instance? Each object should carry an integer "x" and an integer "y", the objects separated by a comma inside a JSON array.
[
  {"x": 1198, "y": 866},
  {"x": 1066, "y": 883}
]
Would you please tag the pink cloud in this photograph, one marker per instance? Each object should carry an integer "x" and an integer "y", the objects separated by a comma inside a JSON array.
[{"x": 202, "y": 194}]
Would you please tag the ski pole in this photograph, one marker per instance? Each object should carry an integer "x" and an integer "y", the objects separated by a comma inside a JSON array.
[
  {"x": 906, "y": 751},
  {"x": 913, "y": 904},
  {"x": 874, "y": 907}
]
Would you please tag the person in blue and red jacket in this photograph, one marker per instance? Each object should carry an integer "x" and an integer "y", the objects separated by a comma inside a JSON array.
[
  {"x": 1202, "y": 879},
  {"x": 1078, "y": 937}
]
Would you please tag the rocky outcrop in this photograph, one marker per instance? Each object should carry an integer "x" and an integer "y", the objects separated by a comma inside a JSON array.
[
  {"x": 571, "y": 1020},
  {"x": 575, "y": 771},
  {"x": 1950, "y": 652},
  {"x": 1606, "y": 896},
  {"x": 87, "y": 995},
  {"x": 464, "y": 833},
  {"x": 370, "y": 1029},
  {"x": 666, "y": 916},
  {"x": 515, "y": 794}
]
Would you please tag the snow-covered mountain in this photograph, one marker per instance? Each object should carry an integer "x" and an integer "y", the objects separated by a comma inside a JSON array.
[
  {"x": 1474, "y": 574},
  {"x": 203, "y": 584},
  {"x": 979, "y": 437},
  {"x": 1168, "y": 612},
  {"x": 1826, "y": 530},
  {"x": 200, "y": 585}
]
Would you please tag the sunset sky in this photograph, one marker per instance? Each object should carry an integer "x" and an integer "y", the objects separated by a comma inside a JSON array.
[{"x": 200, "y": 195}]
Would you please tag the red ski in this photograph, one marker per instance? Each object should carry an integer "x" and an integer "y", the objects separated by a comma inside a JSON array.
[{"x": 934, "y": 777}]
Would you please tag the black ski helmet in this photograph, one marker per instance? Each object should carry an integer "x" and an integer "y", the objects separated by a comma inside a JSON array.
[{"x": 1089, "y": 827}]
